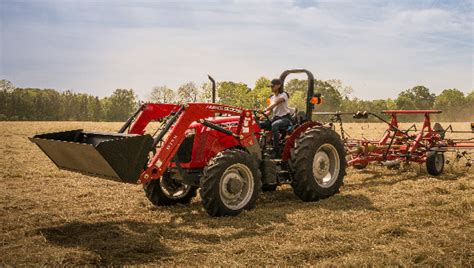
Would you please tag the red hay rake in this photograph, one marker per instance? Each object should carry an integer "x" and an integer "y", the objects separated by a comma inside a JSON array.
[{"x": 396, "y": 146}]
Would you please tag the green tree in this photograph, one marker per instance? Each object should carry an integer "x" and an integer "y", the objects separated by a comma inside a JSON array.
[
  {"x": 332, "y": 99},
  {"x": 298, "y": 90},
  {"x": 95, "y": 109},
  {"x": 6, "y": 86},
  {"x": 162, "y": 94},
  {"x": 83, "y": 113},
  {"x": 260, "y": 93},
  {"x": 187, "y": 93},
  {"x": 391, "y": 104},
  {"x": 418, "y": 97},
  {"x": 470, "y": 96},
  {"x": 468, "y": 109},
  {"x": 237, "y": 94},
  {"x": 6, "y": 89},
  {"x": 298, "y": 100},
  {"x": 345, "y": 90},
  {"x": 120, "y": 105},
  {"x": 451, "y": 102},
  {"x": 47, "y": 104},
  {"x": 295, "y": 85},
  {"x": 205, "y": 93}
]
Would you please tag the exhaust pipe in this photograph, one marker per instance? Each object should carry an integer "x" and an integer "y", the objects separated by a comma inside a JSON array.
[{"x": 213, "y": 82}]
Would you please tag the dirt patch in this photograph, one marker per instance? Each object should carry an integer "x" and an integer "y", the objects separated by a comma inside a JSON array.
[{"x": 380, "y": 217}]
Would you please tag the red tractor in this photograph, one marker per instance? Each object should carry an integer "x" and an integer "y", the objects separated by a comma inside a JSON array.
[{"x": 217, "y": 148}]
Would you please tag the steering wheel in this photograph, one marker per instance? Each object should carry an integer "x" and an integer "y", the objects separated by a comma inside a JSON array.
[{"x": 262, "y": 113}]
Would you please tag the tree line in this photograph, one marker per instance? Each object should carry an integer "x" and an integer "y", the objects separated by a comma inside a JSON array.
[
  {"x": 49, "y": 104},
  {"x": 52, "y": 105}
]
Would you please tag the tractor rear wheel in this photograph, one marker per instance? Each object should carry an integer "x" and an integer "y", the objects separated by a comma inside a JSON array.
[
  {"x": 435, "y": 163},
  {"x": 166, "y": 191},
  {"x": 231, "y": 183},
  {"x": 319, "y": 164}
]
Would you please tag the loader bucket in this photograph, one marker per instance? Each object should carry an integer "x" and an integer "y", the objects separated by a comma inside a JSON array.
[{"x": 115, "y": 156}]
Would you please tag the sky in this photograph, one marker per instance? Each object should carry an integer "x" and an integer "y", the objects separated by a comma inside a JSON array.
[{"x": 378, "y": 47}]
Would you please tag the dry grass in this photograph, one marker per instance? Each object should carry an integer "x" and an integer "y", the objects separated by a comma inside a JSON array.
[{"x": 382, "y": 217}]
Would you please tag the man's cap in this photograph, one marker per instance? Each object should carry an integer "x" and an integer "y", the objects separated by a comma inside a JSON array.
[{"x": 275, "y": 81}]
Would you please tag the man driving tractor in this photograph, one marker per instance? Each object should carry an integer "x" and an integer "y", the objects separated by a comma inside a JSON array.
[{"x": 281, "y": 114}]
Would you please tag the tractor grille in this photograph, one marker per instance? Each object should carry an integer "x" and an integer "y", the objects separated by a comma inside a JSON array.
[{"x": 185, "y": 151}]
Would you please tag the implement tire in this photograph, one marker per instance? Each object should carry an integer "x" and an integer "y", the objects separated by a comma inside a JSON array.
[{"x": 435, "y": 163}]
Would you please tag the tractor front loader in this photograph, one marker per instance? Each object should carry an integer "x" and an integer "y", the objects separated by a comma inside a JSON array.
[{"x": 217, "y": 148}]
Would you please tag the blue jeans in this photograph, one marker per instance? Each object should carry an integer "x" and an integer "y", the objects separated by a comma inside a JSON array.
[{"x": 275, "y": 126}]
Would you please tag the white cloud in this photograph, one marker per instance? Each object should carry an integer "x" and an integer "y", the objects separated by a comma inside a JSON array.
[{"x": 379, "y": 49}]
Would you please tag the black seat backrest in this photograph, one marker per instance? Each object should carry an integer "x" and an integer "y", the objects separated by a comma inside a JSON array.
[
  {"x": 301, "y": 117},
  {"x": 294, "y": 116}
]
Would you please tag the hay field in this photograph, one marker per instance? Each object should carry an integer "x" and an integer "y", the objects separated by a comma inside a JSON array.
[{"x": 382, "y": 217}]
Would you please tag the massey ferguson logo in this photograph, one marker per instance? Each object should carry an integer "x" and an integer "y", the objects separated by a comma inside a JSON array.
[
  {"x": 229, "y": 124},
  {"x": 224, "y": 108}
]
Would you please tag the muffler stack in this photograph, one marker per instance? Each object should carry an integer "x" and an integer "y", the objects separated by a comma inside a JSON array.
[{"x": 115, "y": 156}]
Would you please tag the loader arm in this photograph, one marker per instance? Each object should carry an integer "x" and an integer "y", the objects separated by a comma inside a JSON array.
[
  {"x": 170, "y": 138},
  {"x": 151, "y": 112}
]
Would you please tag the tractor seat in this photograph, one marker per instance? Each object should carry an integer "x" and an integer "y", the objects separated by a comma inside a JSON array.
[
  {"x": 293, "y": 121},
  {"x": 294, "y": 115}
]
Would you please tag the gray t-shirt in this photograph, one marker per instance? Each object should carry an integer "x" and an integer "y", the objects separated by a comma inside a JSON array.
[{"x": 282, "y": 108}]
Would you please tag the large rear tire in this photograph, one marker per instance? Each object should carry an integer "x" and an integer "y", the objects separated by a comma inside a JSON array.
[
  {"x": 167, "y": 192},
  {"x": 231, "y": 183},
  {"x": 318, "y": 163}
]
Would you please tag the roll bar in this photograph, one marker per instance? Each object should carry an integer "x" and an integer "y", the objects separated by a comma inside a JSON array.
[{"x": 310, "y": 92}]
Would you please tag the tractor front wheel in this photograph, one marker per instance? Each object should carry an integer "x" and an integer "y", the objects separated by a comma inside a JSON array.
[
  {"x": 231, "y": 183},
  {"x": 319, "y": 164},
  {"x": 166, "y": 191}
]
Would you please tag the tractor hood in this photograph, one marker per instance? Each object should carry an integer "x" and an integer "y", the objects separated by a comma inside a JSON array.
[{"x": 229, "y": 122}]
